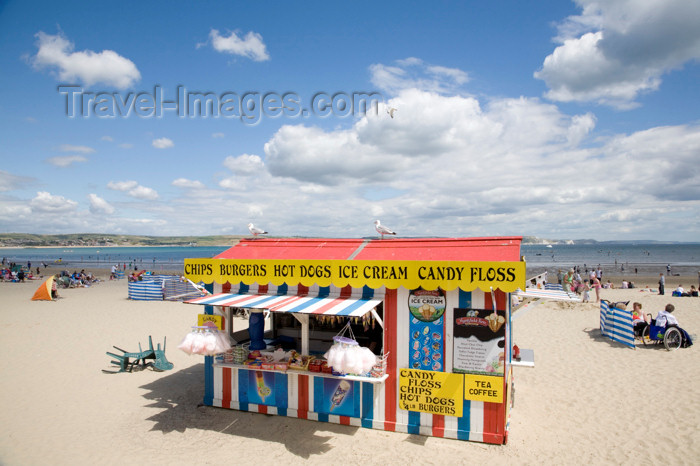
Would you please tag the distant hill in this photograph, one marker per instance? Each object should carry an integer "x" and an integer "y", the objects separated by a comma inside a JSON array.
[{"x": 103, "y": 240}]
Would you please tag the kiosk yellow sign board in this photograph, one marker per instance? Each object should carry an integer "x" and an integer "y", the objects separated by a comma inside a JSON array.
[
  {"x": 487, "y": 388},
  {"x": 431, "y": 392},
  {"x": 210, "y": 321}
]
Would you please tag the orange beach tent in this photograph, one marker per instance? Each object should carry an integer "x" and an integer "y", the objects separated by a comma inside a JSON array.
[{"x": 44, "y": 291}]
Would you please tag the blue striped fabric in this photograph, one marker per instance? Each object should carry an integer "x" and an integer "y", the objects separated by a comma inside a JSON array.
[
  {"x": 146, "y": 290},
  {"x": 616, "y": 324}
]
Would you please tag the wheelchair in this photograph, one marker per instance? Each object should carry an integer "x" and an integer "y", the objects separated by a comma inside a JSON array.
[{"x": 670, "y": 336}]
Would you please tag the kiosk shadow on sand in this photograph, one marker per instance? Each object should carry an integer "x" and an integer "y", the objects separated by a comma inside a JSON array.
[{"x": 178, "y": 397}]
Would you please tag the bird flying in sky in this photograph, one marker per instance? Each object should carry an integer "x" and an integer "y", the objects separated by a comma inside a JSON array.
[
  {"x": 382, "y": 230},
  {"x": 391, "y": 111},
  {"x": 255, "y": 231}
]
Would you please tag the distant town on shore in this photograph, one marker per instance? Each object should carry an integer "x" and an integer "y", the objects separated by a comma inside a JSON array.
[{"x": 24, "y": 240}]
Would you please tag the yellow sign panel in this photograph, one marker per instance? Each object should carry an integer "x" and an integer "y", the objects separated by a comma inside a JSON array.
[
  {"x": 487, "y": 388},
  {"x": 210, "y": 321},
  {"x": 431, "y": 392},
  {"x": 430, "y": 275}
]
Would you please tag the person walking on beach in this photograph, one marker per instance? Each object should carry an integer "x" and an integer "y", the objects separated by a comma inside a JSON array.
[{"x": 662, "y": 282}]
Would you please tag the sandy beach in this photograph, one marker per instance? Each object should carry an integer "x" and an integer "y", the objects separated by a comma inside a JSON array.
[{"x": 588, "y": 400}]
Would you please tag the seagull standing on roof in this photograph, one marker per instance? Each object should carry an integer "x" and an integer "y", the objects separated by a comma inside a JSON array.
[
  {"x": 382, "y": 230},
  {"x": 255, "y": 231}
]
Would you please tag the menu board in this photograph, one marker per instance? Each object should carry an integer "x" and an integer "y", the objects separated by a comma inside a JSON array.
[
  {"x": 479, "y": 341},
  {"x": 426, "y": 328}
]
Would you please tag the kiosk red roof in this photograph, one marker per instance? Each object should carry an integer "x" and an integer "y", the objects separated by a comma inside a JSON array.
[{"x": 494, "y": 249}]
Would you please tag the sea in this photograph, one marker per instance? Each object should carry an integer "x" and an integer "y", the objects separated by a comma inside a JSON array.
[
  {"x": 161, "y": 258},
  {"x": 646, "y": 258}
]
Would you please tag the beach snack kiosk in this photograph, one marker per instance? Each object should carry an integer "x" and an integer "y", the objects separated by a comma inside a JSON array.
[{"x": 435, "y": 312}]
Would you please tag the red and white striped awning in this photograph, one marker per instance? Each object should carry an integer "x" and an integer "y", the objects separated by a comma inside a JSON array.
[{"x": 329, "y": 306}]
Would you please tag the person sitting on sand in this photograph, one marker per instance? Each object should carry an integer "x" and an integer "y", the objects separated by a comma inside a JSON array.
[
  {"x": 693, "y": 291},
  {"x": 54, "y": 288},
  {"x": 638, "y": 319}
]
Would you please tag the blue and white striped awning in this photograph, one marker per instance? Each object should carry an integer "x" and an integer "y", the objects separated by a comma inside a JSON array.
[{"x": 328, "y": 306}]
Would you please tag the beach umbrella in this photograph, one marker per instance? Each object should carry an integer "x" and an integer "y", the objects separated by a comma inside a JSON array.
[{"x": 44, "y": 291}]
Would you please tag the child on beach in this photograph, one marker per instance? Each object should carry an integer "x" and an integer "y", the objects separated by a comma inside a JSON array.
[{"x": 586, "y": 295}]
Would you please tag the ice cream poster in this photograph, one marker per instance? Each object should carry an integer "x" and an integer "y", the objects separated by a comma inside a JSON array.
[
  {"x": 338, "y": 397},
  {"x": 479, "y": 341},
  {"x": 426, "y": 340},
  {"x": 260, "y": 388}
]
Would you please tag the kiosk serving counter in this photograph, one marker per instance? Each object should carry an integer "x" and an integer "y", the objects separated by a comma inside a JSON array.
[{"x": 435, "y": 311}]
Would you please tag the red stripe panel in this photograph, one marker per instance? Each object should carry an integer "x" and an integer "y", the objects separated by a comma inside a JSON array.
[
  {"x": 328, "y": 306},
  {"x": 226, "y": 382},
  {"x": 495, "y": 413},
  {"x": 226, "y": 287},
  {"x": 501, "y": 300},
  {"x": 262, "y": 409},
  {"x": 346, "y": 292},
  {"x": 262, "y": 289},
  {"x": 390, "y": 322},
  {"x": 438, "y": 425},
  {"x": 303, "y": 397},
  {"x": 302, "y": 290},
  {"x": 345, "y": 420},
  {"x": 285, "y": 302}
]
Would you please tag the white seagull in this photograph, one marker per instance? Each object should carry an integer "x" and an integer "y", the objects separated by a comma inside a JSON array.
[
  {"x": 255, "y": 231},
  {"x": 382, "y": 230},
  {"x": 391, "y": 111}
]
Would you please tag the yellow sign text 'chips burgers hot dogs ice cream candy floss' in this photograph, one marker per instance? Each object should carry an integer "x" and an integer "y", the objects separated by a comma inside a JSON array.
[
  {"x": 431, "y": 392},
  {"x": 429, "y": 275}
]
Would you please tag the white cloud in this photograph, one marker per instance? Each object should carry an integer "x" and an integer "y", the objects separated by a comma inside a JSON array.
[
  {"x": 99, "y": 206},
  {"x": 217, "y": 135},
  {"x": 133, "y": 189},
  {"x": 251, "y": 46},
  {"x": 617, "y": 49},
  {"x": 66, "y": 160},
  {"x": 11, "y": 182},
  {"x": 413, "y": 73},
  {"x": 163, "y": 143},
  {"x": 88, "y": 67},
  {"x": 122, "y": 185},
  {"x": 142, "y": 192},
  {"x": 244, "y": 164},
  {"x": 78, "y": 149},
  {"x": 107, "y": 138},
  {"x": 188, "y": 184},
  {"x": 126, "y": 145},
  {"x": 45, "y": 202}
]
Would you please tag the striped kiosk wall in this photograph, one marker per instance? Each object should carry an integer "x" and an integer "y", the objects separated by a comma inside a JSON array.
[{"x": 374, "y": 405}]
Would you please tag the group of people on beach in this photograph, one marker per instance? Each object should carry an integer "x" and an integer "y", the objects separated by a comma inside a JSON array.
[
  {"x": 664, "y": 318},
  {"x": 572, "y": 281}
]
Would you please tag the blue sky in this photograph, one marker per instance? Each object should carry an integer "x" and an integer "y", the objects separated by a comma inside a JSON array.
[{"x": 551, "y": 118}]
